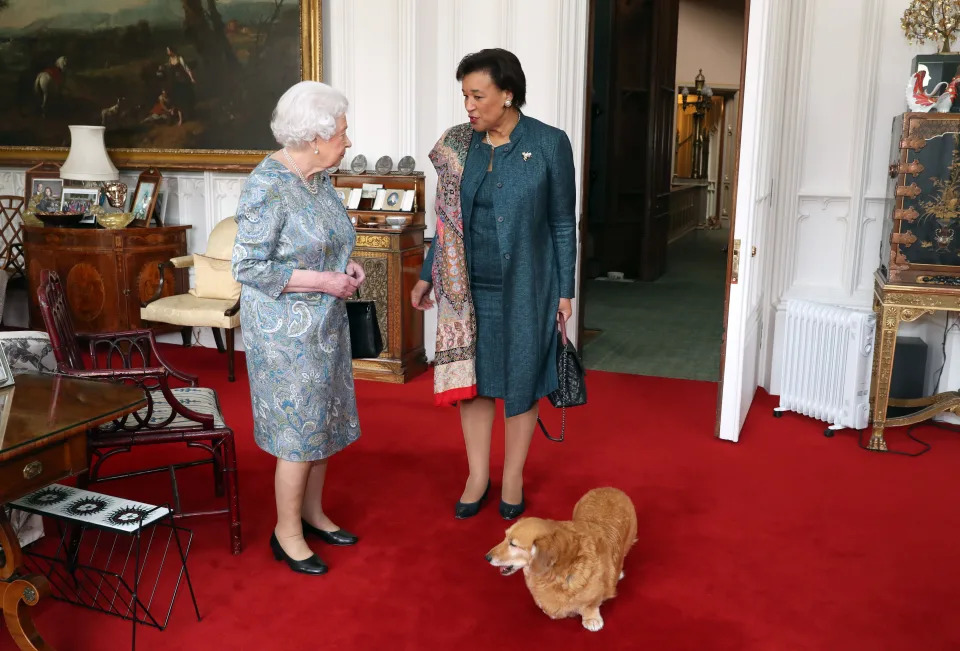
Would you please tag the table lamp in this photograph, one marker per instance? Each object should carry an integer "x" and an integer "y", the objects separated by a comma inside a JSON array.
[{"x": 88, "y": 161}]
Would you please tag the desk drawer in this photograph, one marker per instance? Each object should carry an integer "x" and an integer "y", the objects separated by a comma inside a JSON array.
[{"x": 42, "y": 466}]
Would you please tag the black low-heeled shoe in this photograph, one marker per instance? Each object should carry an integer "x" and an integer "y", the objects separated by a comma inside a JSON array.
[
  {"x": 466, "y": 510},
  {"x": 313, "y": 565},
  {"x": 338, "y": 537},
  {"x": 511, "y": 511}
]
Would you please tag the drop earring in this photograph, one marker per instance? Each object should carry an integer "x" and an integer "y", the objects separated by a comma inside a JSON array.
[
  {"x": 508, "y": 103},
  {"x": 316, "y": 150}
]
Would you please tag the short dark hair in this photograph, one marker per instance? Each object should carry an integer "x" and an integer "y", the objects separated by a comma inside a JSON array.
[{"x": 503, "y": 67}]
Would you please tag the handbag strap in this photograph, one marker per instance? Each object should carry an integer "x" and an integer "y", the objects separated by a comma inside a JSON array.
[
  {"x": 563, "y": 426},
  {"x": 562, "y": 378}
]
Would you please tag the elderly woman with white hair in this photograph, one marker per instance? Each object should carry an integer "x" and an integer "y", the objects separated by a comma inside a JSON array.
[{"x": 292, "y": 256}]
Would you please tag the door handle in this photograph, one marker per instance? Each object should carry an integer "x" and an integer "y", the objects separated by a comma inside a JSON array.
[{"x": 735, "y": 263}]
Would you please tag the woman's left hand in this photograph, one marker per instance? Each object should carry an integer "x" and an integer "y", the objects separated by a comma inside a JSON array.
[
  {"x": 565, "y": 309},
  {"x": 354, "y": 270}
]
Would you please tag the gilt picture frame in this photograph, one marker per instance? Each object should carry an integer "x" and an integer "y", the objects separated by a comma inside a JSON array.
[{"x": 166, "y": 99}]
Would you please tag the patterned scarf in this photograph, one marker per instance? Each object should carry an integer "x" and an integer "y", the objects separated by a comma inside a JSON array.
[{"x": 455, "y": 374}]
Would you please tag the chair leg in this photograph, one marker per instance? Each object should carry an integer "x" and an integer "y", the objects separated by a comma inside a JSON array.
[
  {"x": 217, "y": 469},
  {"x": 233, "y": 493},
  {"x": 186, "y": 333},
  {"x": 218, "y": 339},
  {"x": 230, "y": 366}
]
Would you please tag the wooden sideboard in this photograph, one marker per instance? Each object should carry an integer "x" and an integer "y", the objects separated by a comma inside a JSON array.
[
  {"x": 106, "y": 273},
  {"x": 391, "y": 258}
]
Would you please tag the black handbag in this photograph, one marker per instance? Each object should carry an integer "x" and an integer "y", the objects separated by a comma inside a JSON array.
[
  {"x": 365, "y": 337},
  {"x": 571, "y": 388}
]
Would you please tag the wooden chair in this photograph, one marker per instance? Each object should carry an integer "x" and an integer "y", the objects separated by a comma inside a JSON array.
[
  {"x": 11, "y": 231},
  {"x": 187, "y": 414},
  {"x": 214, "y": 300}
]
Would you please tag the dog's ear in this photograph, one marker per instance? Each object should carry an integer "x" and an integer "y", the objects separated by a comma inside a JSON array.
[{"x": 545, "y": 550}]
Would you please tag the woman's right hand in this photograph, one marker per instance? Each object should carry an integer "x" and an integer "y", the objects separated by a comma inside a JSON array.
[
  {"x": 420, "y": 296},
  {"x": 338, "y": 284}
]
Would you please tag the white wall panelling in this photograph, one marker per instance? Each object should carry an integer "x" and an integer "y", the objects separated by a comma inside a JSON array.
[{"x": 846, "y": 74}]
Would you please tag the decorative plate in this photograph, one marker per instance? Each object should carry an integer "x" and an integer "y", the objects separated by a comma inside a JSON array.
[
  {"x": 384, "y": 165},
  {"x": 359, "y": 164},
  {"x": 406, "y": 165}
]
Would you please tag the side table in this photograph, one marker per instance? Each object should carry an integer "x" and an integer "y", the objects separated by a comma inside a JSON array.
[{"x": 895, "y": 304}]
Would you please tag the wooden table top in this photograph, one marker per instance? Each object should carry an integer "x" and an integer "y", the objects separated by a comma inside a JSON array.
[{"x": 41, "y": 409}]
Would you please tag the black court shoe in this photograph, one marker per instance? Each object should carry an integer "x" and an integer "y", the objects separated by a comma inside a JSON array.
[
  {"x": 470, "y": 509},
  {"x": 338, "y": 537},
  {"x": 511, "y": 511},
  {"x": 312, "y": 565}
]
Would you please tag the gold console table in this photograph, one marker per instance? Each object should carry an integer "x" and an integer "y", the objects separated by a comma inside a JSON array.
[{"x": 893, "y": 304}]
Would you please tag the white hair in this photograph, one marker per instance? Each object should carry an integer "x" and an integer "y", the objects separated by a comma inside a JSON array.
[{"x": 307, "y": 110}]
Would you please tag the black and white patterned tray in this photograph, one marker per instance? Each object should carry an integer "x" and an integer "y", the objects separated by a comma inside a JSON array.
[{"x": 91, "y": 509}]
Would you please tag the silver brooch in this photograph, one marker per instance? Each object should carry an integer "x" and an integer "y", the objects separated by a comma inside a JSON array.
[{"x": 526, "y": 155}]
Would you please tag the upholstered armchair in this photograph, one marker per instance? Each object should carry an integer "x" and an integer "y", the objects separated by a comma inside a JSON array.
[
  {"x": 177, "y": 411},
  {"x": 214, "y": 300}
]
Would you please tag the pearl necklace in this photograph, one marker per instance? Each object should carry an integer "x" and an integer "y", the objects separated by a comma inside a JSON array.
[
  {"x": 312, "y": 188},
  {"x": 490, "y": 142}
]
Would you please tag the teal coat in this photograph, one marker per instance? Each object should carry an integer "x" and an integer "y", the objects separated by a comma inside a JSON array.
[{"x": 535, "y": 204}]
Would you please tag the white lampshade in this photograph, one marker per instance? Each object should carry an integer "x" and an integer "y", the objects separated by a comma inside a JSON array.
[{"x": 88, "y": 159}]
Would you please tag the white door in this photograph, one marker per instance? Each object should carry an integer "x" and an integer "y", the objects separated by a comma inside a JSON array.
[{"x": 761, "y": 117}]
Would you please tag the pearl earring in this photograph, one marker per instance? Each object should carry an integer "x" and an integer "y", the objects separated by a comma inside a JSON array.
[
  {"x": 316, "y": 150},
  {"x": 508, "y": 103}
]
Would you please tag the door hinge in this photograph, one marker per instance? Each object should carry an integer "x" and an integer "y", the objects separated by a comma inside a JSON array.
[{"x": 735, "y": 263}]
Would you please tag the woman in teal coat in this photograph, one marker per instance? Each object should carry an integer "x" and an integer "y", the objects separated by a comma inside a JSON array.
[{"x": 505, "y": 274}]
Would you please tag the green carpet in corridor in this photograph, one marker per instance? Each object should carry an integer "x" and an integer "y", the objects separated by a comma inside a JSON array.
[{"x": 671, "y": 327}]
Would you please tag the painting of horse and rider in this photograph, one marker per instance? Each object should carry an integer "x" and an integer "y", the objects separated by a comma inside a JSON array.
[{"x": 158, "y": 74}]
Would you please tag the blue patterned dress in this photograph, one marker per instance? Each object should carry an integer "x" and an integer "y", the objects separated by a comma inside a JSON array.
[{"x": 297, "y": 344}]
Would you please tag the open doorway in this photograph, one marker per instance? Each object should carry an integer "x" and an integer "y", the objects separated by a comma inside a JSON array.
[{"x": 664, "y": 91}]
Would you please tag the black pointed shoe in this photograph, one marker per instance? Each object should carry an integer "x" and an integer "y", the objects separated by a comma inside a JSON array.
[
  {"x": 338, "y": 537},
  {"x": 466, "y": 510},
  {"x": 313, "y": 565},
  {"x": 511, "y": 511}
]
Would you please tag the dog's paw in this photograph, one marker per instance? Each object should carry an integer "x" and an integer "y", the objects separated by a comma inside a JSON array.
[{"x": 593, "y": 622}]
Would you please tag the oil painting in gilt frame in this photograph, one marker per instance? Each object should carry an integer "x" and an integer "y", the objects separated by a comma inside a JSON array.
[{"x": 178, "y": 84}]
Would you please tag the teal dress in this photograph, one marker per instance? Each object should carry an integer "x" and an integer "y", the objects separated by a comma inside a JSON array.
[
  {"x": 518, "y": 219},
  {"x": 486, "y": 287}
]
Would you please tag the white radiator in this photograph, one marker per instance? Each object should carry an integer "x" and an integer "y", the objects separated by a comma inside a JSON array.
[{"x": 827, "y": 361}]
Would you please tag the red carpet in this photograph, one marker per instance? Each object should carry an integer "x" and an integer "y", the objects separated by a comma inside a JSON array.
[{"x": 787, "y": 540}]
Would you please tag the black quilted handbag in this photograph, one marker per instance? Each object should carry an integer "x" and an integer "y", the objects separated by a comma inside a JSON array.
[
  {"x": 571, "y": 389},
  {"x": 365, "y": 338}
]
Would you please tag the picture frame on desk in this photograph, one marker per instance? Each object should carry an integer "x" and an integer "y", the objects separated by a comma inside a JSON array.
[
  {"x": 393, "y": 199},
  {"x": 353, "y": 203},
  {"x": 144, "y": 197},
  {"x": 409, "y": 201},
  {"x": 160, "y": 207},
  {"x": 80, "y": 200},
  {"x": 36, "y": 181},
  {"x": 6, "y": 375}
]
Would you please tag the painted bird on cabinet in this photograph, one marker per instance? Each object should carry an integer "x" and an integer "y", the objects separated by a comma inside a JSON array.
[{"x": 920, "y": 101}]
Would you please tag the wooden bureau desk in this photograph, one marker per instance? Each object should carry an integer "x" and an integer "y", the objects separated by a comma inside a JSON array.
[{"x": 43, "y": 425}]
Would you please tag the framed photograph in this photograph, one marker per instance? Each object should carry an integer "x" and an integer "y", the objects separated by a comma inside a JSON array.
[
  {"x": 393, "y": 200},
  {"x": 178, "y": 85},
  {"x": 380, "y": 199},
  {"x": 6, "y": 375},
  {"x": 343, "y": 194},
  {"x": 160, "y": 208},
  {"x": 80, "y": 200},
  {"x": 353, "y": 203},
  {"x": 409, "y": 198},
  {"x": 47, "y": 172},
  {"x": 145, "y": 197}
]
